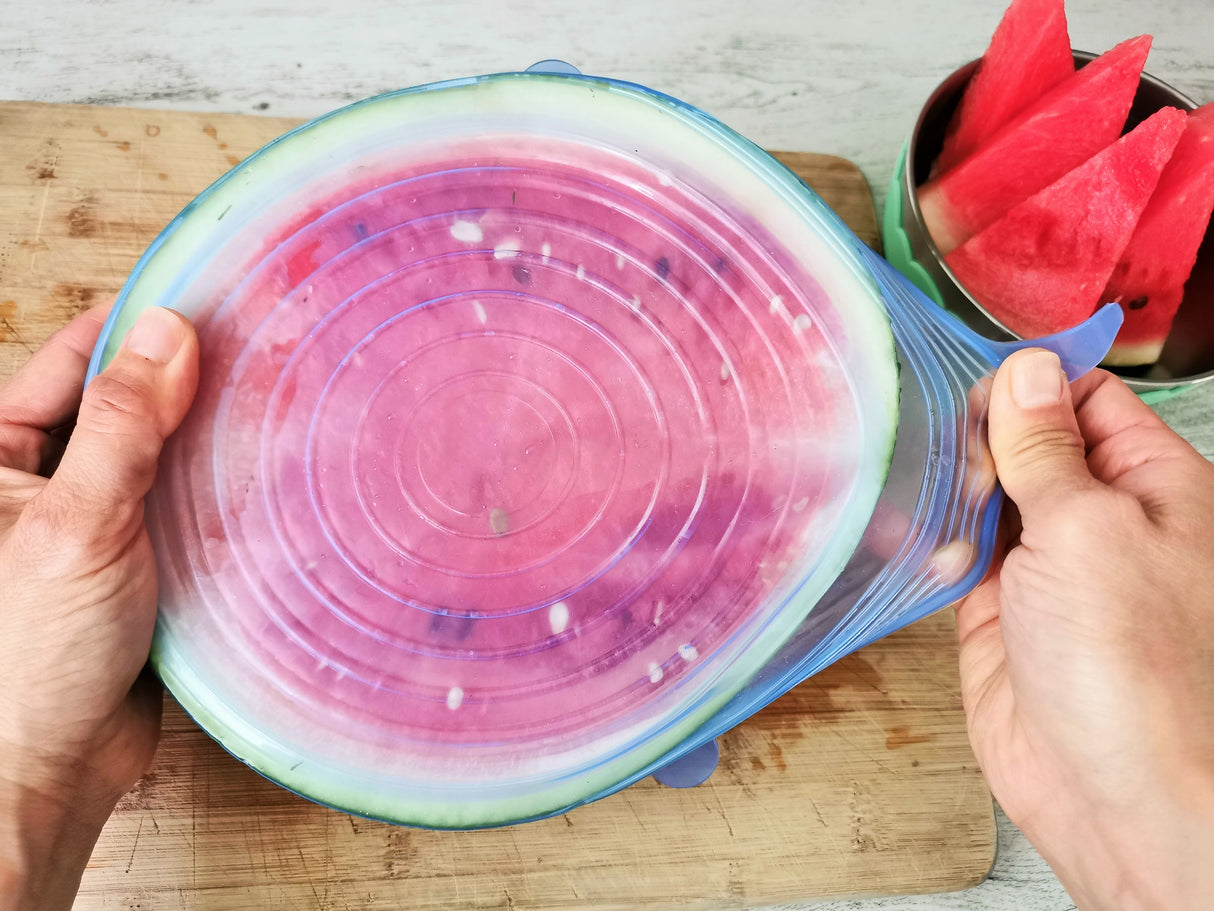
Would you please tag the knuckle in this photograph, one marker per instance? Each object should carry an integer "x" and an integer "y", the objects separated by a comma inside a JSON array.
[
  {"x": 115, "y": 399},
  {"x": 46, "y": 542},
  {"x": 57, "y": 538},
  {"x": 1041, "y": 443},
  {"x": 19, "y": 450},
  {"x": 1094, "y": 519},
  {"x": 17, "y": 490},
  {"x": 1074, "y": 520}
]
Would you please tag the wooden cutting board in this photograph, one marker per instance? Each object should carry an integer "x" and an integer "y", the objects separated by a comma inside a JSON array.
[{"x": 860, "y": 781}]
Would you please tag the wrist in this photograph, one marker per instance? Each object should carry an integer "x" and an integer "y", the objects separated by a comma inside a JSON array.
[
  {"x": 1150, "y": 851},
  {"x": 47, "y": 831}
]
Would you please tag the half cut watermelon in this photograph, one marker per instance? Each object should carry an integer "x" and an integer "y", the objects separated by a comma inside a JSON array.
[{"x": 535, "y": 415}]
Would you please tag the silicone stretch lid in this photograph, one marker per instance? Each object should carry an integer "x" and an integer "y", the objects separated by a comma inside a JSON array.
[
  {"x": 536, "y": 414},
  {"x": 932, "y": 534}
]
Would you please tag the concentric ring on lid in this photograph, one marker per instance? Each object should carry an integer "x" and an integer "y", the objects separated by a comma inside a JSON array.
[{"x": 536, "y": 412}]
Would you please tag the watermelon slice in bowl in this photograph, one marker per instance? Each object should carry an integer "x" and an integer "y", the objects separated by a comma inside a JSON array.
[
  {"x": 539, "y": 416},
  {"x": 1059, "y": 131},
  {"x": 1002, "y": 86},
  {"x": 1044, "y": 264},
  {"x": 1150, "y": 278}
]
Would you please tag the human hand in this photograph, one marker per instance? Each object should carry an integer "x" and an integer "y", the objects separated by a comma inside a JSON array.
[
  {"x": 1087, "y": 655},
  {"x": 78, "y": 723}
]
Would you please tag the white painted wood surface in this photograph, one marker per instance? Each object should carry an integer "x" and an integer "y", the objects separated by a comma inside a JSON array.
[{"x": 838, "y": 77}]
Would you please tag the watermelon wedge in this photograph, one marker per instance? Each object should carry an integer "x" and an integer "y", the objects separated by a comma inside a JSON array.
[
  {"x": 1042, "y": 267},
  {"x": 1029, "y": 54},
  {"x": 1149, "y": 281},
  {"x": 1058, "y": 132}
]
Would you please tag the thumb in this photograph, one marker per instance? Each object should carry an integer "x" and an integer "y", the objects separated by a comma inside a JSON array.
[
  {"x": 127, "y": 412},
  {"x": 1034, "y": 437}
]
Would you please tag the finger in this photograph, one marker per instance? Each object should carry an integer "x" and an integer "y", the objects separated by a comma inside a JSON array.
[
  {"x": 1129, "y": 446},
  {"x": 45, "y": 392},
  {"x": 986, "y": 696},
  {"x": 1034, "y": 437},
  {"x": 17, "y": 489},
  {"x": 979, "y": 472},
  {"x": 1105, "y": 407},
  {"x": 982, "y": 662},
  {"x": 126, "y": 414},
  {"x": 982, "y": 604}
]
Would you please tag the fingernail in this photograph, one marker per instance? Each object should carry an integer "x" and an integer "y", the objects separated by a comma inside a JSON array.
[
  {"x": 156, "y": 335},
  {"x": 1037, "y": 380}
]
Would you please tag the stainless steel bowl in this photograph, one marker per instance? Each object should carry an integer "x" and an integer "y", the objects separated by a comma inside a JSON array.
[{"x": 1188, "y": 356}]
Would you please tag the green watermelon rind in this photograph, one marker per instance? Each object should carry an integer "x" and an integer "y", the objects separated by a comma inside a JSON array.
[{"x": 793, "y": 211}]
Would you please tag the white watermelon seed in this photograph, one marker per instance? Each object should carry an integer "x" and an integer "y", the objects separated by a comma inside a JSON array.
[{"x": 467, "y": 231}]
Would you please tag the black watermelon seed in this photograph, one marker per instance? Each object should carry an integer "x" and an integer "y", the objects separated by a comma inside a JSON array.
[
  {"x": 1137, "y": 303},
  {"x": 522, "y": 275},
  {"x": 662, "y": 267},
  {"x": 451, "y": 626},
  {"x": 360, "y": 229}
]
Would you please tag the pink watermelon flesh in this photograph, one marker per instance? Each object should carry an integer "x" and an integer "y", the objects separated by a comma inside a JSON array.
[
  {"x": 1149, "y": 280},
  {"x": 1042, "y": 267},
  {"x": 1029, "y": 54},
  {"x": 1060, "y": 131},
  {"x": 500, "y": 450}
]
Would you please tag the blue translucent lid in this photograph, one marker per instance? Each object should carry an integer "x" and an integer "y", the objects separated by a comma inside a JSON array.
[{"x": 546, "y": 427}]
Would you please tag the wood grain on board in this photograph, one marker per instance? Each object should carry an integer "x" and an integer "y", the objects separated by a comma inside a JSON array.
[{"x": 859, "y": 781}]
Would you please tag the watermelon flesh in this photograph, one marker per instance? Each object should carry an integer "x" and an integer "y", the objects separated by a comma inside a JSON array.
[
  {"x": 1041, "y": 268},
  {"x": 1062, "y": 129},
  {"x": 1149, "y": 280},
  {"x": 1029, "y": 54}
]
